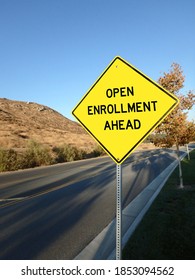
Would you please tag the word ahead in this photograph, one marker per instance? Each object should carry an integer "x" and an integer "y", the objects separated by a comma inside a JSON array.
[
  {"x": 122, "y": 124},
  {"x": 122, "y": 108}
]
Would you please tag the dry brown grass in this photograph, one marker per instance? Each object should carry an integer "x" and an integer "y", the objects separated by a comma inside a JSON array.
[{"x": 22, "y": 121}]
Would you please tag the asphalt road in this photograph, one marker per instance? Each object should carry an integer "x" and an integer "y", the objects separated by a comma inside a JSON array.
[{"x": 54, "y": 212}]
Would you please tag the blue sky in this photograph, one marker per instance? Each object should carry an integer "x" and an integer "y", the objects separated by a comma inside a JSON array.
[{"x": 52, "y": 51}]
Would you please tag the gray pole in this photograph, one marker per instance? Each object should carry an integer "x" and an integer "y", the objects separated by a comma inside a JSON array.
[
  {"x": 188, "y": 152},
  {"x": 118, "y": 211}
]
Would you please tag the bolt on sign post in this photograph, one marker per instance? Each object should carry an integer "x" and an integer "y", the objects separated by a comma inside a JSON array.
[{"x": 119, "y": 111}]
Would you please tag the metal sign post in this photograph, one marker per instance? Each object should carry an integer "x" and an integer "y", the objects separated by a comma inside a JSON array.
[{"x": 118, "y": 212}]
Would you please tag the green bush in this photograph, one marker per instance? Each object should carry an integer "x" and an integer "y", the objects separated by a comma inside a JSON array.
[
  {"x": 97, "y": 152},
  {"x": 8, "y": 160},
  {"x": 35, "y": 155},
  {"x": 67, "y": 153}
]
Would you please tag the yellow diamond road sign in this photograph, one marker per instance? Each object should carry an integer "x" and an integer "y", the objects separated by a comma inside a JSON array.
[{"x": 122, "y": 108}]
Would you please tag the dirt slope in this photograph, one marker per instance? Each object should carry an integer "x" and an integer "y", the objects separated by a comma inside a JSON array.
[{"x": 22, "y": 121}]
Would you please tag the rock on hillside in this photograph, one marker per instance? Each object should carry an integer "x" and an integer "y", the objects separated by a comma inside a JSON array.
[{"x": 22, "y": 121}]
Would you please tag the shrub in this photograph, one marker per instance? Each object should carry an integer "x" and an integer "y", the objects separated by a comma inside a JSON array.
[
  {"x": 8, "y": 160},
  {"x": 35, "y": 155},
  {"x": 97, "y": 152},
  {"x": 67, "y": 153}
]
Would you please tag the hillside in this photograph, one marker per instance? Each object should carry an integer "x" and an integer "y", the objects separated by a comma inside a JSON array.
[{"x": 23, "y": 121}]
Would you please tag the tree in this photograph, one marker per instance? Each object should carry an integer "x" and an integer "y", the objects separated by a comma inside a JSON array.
[{"x": 175, "y": 129}]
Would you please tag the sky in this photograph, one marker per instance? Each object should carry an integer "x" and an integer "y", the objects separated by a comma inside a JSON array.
[{"x": 52, "y": 51}]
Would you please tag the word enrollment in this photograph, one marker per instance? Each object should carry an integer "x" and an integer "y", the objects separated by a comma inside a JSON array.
[{"x": 122, "y": 108}]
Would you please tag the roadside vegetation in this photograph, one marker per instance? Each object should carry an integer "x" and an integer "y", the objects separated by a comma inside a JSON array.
[
  {"x": 39, "y": 155},
  {"x": 167, "y": 230},
  {"x": 176, "y": 129}
]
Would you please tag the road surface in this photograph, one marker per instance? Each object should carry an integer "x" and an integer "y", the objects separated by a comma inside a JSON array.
[{"x": 54, "y": 212}]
